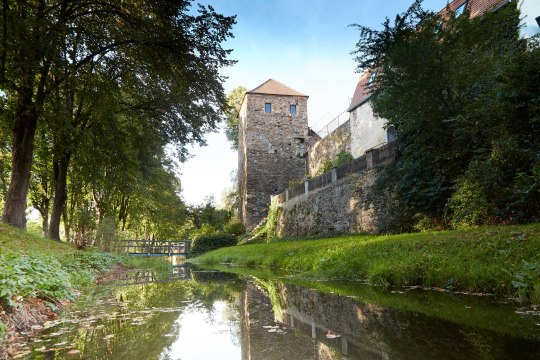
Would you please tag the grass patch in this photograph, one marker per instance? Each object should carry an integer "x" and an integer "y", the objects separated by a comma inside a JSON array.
[
  {"x": 34, "y": 267},
  {"x": 498, "y": 259}
]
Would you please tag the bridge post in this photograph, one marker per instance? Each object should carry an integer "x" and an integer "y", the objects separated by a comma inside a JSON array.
[{"x": 169, "y": 246}]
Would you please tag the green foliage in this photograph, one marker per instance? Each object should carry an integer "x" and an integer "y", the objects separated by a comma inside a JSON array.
[
  {"x": 105, "y": 236},
  {"x": 527, "y": 281},
  {"x": 106, "y": 89},
  {"x": 211, "y": 242},
  {"x": 234, "y": 102},
  {"x": 31, "y": 266},
  {"x": 272, "y": 221},
  {"x": 24, "y": 276},
  {"x": 341, "y": 158},
  {"x": 462, "y": 93},
  {"x": 207, "y": 219},
  {"x": 51, "y": 277},
  {"x": 234, "y": 227}
]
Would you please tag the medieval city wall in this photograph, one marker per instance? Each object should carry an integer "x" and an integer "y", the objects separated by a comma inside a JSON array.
[
  {"x": 327, "y": 148},
  {"x": 336, "y": 202}
]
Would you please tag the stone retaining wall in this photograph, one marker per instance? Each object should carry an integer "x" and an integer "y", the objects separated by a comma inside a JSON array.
[
  {"x": 335, "y": 209},
  {"x": 328, "y": 147}
]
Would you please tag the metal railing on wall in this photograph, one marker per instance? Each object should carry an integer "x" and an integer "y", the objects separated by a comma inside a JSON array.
[
  {"x": 333, "y": 124},
  {"x": 370, "y": 159}
]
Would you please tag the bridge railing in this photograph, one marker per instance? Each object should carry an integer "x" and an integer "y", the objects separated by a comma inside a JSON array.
[{"x": 154, "y": 247}]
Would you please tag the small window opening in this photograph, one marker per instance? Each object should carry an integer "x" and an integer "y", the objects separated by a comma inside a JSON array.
[
  {"x": 292, "y": 109},
  {"x": 267, "y": 107}
]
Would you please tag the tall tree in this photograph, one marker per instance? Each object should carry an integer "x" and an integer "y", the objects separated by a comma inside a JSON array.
[
  {"x": 462, "y": 94},
  {"x": 234, "y": 102},
  {"x": 173, "y": 56}
]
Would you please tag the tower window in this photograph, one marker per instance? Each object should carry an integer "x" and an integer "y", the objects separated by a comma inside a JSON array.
[
  {"x": 292, "y": 109},
  {"x": 267, "y": 107}
]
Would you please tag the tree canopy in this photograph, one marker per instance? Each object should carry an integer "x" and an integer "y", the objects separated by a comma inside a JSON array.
[
  {"x": 98, "y": 95},
  {"x": 463, "y": 96}
]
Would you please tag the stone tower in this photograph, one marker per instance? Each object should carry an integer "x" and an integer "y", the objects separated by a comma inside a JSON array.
[{"x": 273, "y": 125}]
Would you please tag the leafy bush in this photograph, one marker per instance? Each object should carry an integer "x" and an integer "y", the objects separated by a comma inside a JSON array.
[
  {"x": 526, "y": 281},
  {"x": 341, "y": 158},
  {"x": 469, "y": 140},
  {"x": 234, "y": 227},
  {"x": 105, "y": 234},
  {"x": 48, "y": 276},
  {"x": 36, "y": 276},
  {"x": 207, "y": 243}
]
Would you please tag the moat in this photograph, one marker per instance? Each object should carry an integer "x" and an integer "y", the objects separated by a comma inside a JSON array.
[{"x": 208, "y": 314}]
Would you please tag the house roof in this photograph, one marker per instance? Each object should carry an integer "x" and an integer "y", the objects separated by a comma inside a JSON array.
[
  {"x": 476, "y": 8},
  {"x": 361, "y": 93},
  {"x": 274, "y": 87}
]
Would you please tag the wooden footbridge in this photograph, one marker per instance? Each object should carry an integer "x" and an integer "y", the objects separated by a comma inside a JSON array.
[{"x": 155, "y": 247}]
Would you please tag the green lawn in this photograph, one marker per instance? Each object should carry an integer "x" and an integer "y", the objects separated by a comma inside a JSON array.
[{"x": 499, "y": 259}]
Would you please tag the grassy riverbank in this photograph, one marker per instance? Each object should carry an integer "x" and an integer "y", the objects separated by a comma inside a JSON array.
[
  {"x": 37, "y": 271},
  {"x": 503, "y": 259}
]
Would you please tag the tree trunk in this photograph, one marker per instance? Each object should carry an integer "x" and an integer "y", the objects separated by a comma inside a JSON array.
[
  {"x": 67, "y": 225},
  {"x": 45, "y": 222},
  {"x": 60, "y": 195},
  {"x": 24, "y": 130}
]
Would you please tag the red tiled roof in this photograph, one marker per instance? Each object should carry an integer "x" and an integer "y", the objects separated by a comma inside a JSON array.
[
  {"x": 274, "y": 87},
  {"x": 361, "y": 93},
  {"x": 476, "y": 8}
]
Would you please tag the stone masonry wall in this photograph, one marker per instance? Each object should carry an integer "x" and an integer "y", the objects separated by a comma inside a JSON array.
[
  {"x": 335, "y": 209},
  {"x": 268, "y": 158},
  {"x": 328, "y": 147}
]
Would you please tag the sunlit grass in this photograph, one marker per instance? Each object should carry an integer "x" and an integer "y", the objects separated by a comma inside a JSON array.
[{"x": 485, "y": 259}]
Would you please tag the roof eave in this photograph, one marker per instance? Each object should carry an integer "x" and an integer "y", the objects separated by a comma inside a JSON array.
[{"x": 354, "y": 107}]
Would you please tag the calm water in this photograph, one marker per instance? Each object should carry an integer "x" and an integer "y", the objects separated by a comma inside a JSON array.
[{"x": 202, "y": 314}]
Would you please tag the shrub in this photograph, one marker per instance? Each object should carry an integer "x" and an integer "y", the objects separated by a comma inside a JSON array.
[
  {"x": 234, "y": 227},
  {"x": 105, "y": 234},
  {"x": 207, "y": 243},
  {"x": 341, "y": 158},
  {"x": 32, "y": 276},
  {"x": 48, "y": 276}
]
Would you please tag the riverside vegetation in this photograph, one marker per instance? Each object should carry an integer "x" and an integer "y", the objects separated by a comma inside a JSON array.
[
  {"x": 503, "y": 260},
  {"x": 46, "y": 272}
]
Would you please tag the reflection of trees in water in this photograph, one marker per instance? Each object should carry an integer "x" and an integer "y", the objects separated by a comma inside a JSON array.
[{"x": 141, "y": 323}]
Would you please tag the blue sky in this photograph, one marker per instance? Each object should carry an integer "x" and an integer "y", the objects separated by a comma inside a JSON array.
[{"x": 305, "y": 44}]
